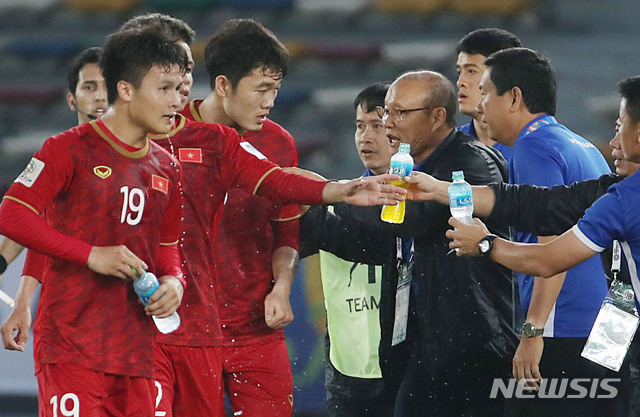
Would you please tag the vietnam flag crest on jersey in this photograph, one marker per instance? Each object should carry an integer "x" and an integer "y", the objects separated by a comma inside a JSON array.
[
  {"x": 190, "y": 155},
  {"x": 160, "y": 183}
]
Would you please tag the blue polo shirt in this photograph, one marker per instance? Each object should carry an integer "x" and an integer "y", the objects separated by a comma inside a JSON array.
[
  {"x": 546, "y": 153},
  {"x": 616, "y": 216},
  {"x": 505, "y": 150}
]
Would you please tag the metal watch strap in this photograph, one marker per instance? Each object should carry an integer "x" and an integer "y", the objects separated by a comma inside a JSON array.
[{"x": 529, "y": 330}]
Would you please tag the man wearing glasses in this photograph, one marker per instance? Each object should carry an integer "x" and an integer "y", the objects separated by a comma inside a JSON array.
[{"x": 459, "y": 313}]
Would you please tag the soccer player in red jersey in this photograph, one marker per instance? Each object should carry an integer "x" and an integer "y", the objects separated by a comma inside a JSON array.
[
  {"x": 195, "y": 345},
  {"x": 215, "y": 159},
  {"x": 87, "y": 96},
  {"x": 114, "y": 207},
  {"x": 257, "y": 245},
  {"x": 211, "y": 159}
]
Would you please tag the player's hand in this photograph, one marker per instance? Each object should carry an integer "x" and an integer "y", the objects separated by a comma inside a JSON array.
[
  {"x": 167, "y": 298},
  {"x": 425, "y": 187},
  {"x": 277, "y": 308},
  {"x": 376, "y": 190},
  {"x": 117, "y": 261},
  {"x": 20, "y": 321},
  {"x": 465, "y": 237},
  {"x": 526, "y": 360}
]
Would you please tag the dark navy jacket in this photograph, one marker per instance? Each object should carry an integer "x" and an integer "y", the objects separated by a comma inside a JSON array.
[{"x": 461, "y": 309}]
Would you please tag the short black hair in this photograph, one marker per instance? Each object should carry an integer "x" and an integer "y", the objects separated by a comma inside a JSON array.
[
  {"x": 127, "y": 55},
  {"x": 172, "y": 28},
  {"x": 371, "y": 97},
  {"x": 88, "y": 56},
  {"x": 241, "y": 45},
  {"x": 630, "y": 90},
  {"x": 528, "y": 70},
  {"x": 486, "y": 41}
]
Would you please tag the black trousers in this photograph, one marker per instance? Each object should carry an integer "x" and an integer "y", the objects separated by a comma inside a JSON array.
[
  {"x": 453, "y": 382},
  {"x": 561, "y": 360},
  {"x": 355, "y": 397}
]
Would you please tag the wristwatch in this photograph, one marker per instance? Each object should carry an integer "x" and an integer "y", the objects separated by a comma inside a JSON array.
[
  {"x": 485, "y": 246},
  {"x": 529, "y": 330}
]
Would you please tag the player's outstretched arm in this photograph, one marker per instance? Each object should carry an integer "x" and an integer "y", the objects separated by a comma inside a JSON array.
[
  {"x": 304, "y": 173},
  {"x": 369, "y": 191},
  {"x": 15, "y": 331},
  {"x": 541, "y": 260},
  {"x": 425, "y": 187}
]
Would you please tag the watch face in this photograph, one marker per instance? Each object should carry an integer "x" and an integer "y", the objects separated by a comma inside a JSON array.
[
  {"x": 528, "y": 330},
  {"x": 483, "y": 246}
]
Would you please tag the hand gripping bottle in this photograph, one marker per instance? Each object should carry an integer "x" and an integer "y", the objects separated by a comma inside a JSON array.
[
  {"x": 401, "y": 164},
  {"x": 461, "y": 198},
  {"x": 145, "y": 286}
]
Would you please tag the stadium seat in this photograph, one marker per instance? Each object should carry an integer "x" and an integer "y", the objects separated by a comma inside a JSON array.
[
  {"x": 271, "y": 5},
  {"x": 44, "y": 95},
  {"x": 297, "y": 48},
  {"x": 39, "y": 47},
  {"x": 290, "y": 96},
  {"x": 116, "y": 6},
  {"x": 411, "y": 6},
  {"x": 432, "y": 53},
  {"x": 197, "y": 49},
  {"x": 333, "y": 6},
  {"x": 331, "y": 51},
  {"x": 198, "y": 6},
  {"x": 29, "y": 5},
  {"x": 501, "y": 7}
]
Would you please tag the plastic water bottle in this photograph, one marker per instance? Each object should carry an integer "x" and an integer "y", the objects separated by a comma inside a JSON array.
[
  {"x": 461, "y": 198},
  {"x": 401, "y": 164},
  {"x": 145, "y": 286}
]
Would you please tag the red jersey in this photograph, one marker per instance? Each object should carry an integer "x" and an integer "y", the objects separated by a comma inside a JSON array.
[
  {"x": 245, "y": 240},
  {"x": 97, "y": 189},
  {"x": 214, "y": 159}
]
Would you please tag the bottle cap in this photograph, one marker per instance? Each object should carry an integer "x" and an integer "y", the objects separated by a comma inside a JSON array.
[
  {"x": 457, "y": 175},
  {"x": 404, "y": 147}
]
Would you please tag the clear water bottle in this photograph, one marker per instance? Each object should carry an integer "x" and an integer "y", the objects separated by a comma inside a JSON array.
[
  {"x": 401, "y": 164},
  {"x": 145, "y": 286},
  {"x": 461, "y": 198}
]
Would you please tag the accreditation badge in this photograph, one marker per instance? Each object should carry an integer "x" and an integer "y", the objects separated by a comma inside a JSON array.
[
  {"x": 615, "y": 325},
  {"x": 402, "y": 303}
]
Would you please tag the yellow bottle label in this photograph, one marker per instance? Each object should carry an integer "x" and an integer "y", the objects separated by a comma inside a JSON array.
[{"x": 394, "y": 214}]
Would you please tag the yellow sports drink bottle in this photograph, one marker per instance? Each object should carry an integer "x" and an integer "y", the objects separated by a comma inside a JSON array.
[{"x": 401, "y": 164}]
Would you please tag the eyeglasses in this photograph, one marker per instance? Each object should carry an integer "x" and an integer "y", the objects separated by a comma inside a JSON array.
[{"x": 384, "y": 113}]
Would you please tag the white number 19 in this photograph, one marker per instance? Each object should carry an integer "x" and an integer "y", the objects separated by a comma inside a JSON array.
[{"x": 131, "y": 209}]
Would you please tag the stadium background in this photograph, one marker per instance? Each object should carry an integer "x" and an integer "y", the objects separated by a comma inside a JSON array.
[{"x": 337, "y": 48}]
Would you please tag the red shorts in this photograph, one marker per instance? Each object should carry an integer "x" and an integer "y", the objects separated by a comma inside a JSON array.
[
  {"x": 257, "y": 379},
  {"x": 189, "y": 381},
  {"x": 69, "y": 390}
]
